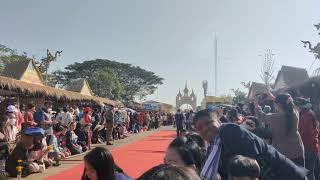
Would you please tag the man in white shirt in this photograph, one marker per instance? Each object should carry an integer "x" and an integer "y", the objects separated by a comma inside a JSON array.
[{"x": 65, "y": 117}]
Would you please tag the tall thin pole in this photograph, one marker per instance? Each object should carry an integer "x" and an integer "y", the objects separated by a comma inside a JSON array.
[{"x": 215, "y": 65}]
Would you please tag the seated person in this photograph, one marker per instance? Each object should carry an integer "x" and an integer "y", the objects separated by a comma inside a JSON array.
[
  {"x": 115, "y": 133},
  {"x": 98, "y": 134},
  {"x": 20, "y": 152},
  {"x": 99, "y": 164},
  {"x": 4, "y": 148},
  {"x": 38, "y": 154},
  {"x": 62, "y": 140},
  {"x": 84, "y": 138},
  {"x": 243, "y": 168},
  {"x": 72, "y": 139},
  {"x": 124, "y": 130},
  {"x": 52, "y": 140}
]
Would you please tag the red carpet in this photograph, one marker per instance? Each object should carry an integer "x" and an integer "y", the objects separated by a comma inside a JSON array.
[{"x": 134, "y": 159}]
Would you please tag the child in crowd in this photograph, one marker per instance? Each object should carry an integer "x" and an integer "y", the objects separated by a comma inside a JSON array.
[
  {"x": 62, "y": 139},
  {"x": 243, "y": 168},
  {"x": 52, "y": 140}
]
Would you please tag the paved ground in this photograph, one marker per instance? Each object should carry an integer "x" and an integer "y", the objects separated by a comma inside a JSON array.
[{"x": 73, "y": 161}]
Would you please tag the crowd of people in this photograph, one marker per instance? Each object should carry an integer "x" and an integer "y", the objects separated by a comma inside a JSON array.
[
  {"x": 272, "y": 138},
  {"x": 41, "y": 137}
]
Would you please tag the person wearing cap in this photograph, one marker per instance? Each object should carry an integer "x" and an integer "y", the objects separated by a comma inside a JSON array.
[
  {"x": 11, "y": 123},
  {"x": 309, "y": 131},
  {"x": 87, "y": 116},
  {"x": 20, "y": 152}
]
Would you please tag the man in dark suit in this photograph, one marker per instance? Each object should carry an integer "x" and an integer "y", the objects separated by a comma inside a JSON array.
[
  {"x": 228, "y": 140},
  {"x": 179, "y": 122}
]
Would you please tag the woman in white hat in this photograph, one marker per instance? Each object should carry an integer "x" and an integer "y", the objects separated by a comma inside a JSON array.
[{"x": 11, "y": 125}]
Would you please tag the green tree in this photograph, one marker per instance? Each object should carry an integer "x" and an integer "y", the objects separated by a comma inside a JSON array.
[
  {"x": 107, "y": 84},
  {"x": 239, "y": 96},
  {"x": 135, "y": 81},
  {"x": 7, "y": 55}
]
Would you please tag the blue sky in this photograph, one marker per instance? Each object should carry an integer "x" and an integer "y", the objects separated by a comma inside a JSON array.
[{"x": 173, "y": 38}]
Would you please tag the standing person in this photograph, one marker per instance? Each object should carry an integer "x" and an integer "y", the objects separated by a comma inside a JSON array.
[
  {"x": 148, "y": 120},
  {"x": 179, "y": 122},
  {"x": 76, "y": 110},
  {"x": 284, "y": 128},
  {"x": 65, "y": 117},
  {"x": 228, "y": 140},
  {"x": 19, "y": 116},
  {"x": 117, "y": 118},
  {"x": 156, "y": 121},
  {"x": 190, "y": 120},
  {"x": 28, "y": 117},
  {"x": 170, "y": 119},
  {"x": 11, "y": 125},
  {"x": 141, "y": 119},
  {"x": 109, "y": 123},
  {"x": 309, "y": 131},
  {"x": 43, "y": 119},
  {"x": 86, "y": 119},
  {"x": 96, "y": 116},
  {"x": 84, "y": 139}
]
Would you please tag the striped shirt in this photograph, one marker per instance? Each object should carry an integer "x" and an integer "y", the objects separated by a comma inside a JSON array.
[{"x": 210, "y": 168}]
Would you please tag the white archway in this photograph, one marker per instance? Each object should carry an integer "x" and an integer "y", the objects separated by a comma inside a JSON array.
[{"x": 184, "y": 107}]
